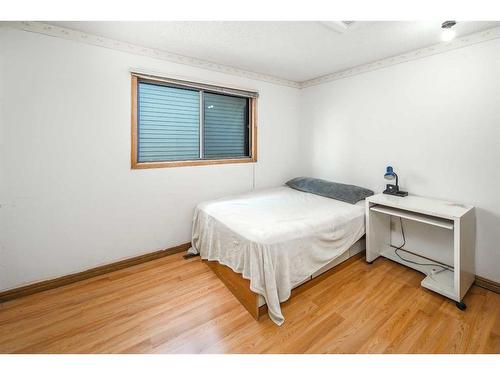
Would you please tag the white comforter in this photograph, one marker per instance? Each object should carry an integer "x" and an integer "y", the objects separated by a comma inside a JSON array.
[{"x": 276, "y": 238}]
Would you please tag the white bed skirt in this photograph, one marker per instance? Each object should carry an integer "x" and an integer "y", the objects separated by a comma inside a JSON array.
[{"x": 358, "y": 247}]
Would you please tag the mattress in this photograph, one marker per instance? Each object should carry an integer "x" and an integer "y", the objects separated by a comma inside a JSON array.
[{"x": 276, "y": 238}]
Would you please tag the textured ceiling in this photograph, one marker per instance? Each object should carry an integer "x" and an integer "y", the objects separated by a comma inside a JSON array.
[{"x": 296, "y": 51}]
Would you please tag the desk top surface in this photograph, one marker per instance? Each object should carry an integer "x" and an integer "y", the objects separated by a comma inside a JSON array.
[{"x": 429, "y": 206}]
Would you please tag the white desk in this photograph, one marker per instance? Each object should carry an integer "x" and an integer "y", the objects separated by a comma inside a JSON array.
[{"x": 458, "y": 218}]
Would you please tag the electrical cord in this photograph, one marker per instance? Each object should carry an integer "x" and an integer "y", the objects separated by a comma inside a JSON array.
[{"x": 400, "y": 248}]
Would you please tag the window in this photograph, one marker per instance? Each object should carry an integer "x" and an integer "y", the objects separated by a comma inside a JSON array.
[{"x": 177, "y": 123}]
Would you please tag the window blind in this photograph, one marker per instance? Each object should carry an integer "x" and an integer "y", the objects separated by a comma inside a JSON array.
[
  {"x": 225, "y": 126},
  {"x": 192, "y": 124},
  {"x": 168, "y": 123}
]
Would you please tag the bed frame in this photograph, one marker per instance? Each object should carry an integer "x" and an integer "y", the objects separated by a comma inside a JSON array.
[{"x": 253, "y": 302}]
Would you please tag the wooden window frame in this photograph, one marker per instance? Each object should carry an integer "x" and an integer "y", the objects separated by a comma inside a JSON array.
[{"x": 252, "y": 102}]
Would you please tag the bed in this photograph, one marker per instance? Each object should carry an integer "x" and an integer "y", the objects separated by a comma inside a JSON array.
[{"x": 264, "y": 243}]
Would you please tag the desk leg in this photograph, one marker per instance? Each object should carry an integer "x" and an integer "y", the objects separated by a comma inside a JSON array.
[
  {"x": 378, "y": 233},
  {"x": 465, "y": 240}
]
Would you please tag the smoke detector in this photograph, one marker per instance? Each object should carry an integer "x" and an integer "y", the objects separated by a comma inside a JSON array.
[{"x": 338, "y": 26}]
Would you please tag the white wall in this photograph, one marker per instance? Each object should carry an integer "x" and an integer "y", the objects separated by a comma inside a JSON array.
[
  {"x": 436, "y": 120},
  {"x": 68, "y": 198},
  {"x": 69, "y": 201}
]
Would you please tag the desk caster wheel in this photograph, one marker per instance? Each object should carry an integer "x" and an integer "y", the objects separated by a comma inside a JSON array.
[
  {"x": 369, "y": 262},
  {"x": 460, "y": 305}
]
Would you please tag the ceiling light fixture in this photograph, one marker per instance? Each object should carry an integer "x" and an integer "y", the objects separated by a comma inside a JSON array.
[{"x": 448, "y": 33}]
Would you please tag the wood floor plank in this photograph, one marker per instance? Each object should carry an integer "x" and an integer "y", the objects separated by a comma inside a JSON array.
[{"x": 173, "y": 305}]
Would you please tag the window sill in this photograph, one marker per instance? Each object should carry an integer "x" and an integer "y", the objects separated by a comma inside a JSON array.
[{"x": 189, "y": 163}]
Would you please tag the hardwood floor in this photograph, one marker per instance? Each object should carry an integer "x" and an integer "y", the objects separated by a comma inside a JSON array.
[{"x": 172, "y": 305}]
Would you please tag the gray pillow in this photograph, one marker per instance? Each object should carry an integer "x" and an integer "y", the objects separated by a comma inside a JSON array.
[{"x": 342, "y": 192}]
